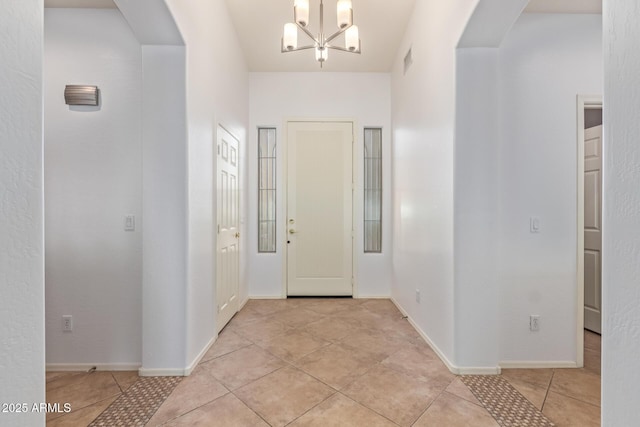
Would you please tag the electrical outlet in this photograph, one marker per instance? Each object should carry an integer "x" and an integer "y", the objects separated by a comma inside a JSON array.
[
  {"x": 67, "y": 323},
  {"x": 418, "y": 295},
  {"x": 534, "y": 322}
]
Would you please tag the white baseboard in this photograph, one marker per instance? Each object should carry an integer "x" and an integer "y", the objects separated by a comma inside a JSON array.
[
  {"x": 425, "y": 337},
  {"x": 189, "y": 369},
  {"x": 243, "y": 303},
  {"x": 457, "y": 370},
  {"x": 281, "y": 297},
  {"x": 143, "y": 372},
  {"x": 69, "y": 367},
  {"x": 161, "y": 372},
  {"x": 480, "y": 370},
  {"x": 526, "y": 364}
]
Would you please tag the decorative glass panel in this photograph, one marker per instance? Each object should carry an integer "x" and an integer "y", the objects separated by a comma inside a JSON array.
[
  {"x": 373, "y": 190},
  {"x": 266, "y": 190}
]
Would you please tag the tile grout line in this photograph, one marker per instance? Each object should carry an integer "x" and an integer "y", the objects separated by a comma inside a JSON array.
[
  {"x": 189, "y": 411},
  {"x": 250, "y": 408},
  {"x": 158, "y": 408},
  {"x": 430, "y": 403},
  {"x": 291, "y": 364},
  {"x": 117, "y": 383},
  {"x": 314, "y": 406},
  {"x": 364, "y": 406},
  {"x": 544, "y": 401}
]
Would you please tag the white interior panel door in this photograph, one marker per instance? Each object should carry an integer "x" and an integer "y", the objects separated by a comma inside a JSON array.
[
  {"x": 319, "y": 208},
  {"x": 228, "y": 254},
  {"x": 592, "y": 228}
]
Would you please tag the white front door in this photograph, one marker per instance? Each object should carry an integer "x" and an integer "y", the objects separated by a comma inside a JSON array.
[
  {"x": 319, "y": 208},
  {"x": 593, "y": 228},
  {"x": 228, "y": 254}
]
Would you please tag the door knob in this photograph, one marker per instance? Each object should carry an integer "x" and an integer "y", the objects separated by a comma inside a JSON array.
[
  {"x": 237, "y": 235},
  {"x": 292, "y": 231}
]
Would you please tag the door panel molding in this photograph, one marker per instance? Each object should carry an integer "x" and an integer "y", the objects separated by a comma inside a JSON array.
[
  {"x": 228, "y": 226},
  {"x": 355, "y": 199}
]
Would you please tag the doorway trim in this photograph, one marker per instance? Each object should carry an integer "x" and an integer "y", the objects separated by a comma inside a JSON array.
[
  {"x": 356, "y": 200},
  {"x": 584, "y": 102}
]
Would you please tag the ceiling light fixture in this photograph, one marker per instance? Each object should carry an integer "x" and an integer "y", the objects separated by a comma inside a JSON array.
[{"x": 321, "y": 44}]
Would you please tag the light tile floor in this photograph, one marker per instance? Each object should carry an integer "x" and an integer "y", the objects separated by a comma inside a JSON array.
[
  {"x": 568, "y": 397},
  {"x": 330, "y": 362}
]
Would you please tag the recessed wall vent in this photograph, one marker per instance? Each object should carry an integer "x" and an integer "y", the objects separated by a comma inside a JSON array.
[
  {"x": 81, "y": 95},
  {"x": 408, "y": 60}
]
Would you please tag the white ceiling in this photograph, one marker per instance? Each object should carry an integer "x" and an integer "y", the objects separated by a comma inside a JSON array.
[{"x": 259, "y": 26}]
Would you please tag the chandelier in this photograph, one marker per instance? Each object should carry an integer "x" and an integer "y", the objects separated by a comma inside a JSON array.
[{"x": 321, "y": 42}]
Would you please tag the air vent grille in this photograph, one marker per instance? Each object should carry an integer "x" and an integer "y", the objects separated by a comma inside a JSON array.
[{"x": 81, "y": 95}]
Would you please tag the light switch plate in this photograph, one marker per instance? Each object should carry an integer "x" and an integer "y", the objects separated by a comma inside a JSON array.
[
  {"x": 129, "y": 223},
  {"x": 534, "y": 224}
]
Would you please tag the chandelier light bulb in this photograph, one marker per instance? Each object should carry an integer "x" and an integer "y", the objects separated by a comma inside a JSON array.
[
  {"x": 301, "y": 11},
  {"x": 321, "y": 54},
  {"x": 290, "y": 38},
  {"x": 345, "y": 13},
  {"x": 352, "y": 38}
]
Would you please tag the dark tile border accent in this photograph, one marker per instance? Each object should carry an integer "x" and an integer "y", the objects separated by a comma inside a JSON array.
[
  {"x": 505, "y": 403},
  {"x": 136, "y": 406}
]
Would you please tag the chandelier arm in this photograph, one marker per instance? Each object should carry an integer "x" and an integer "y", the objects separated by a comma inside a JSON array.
[
  {"x": 342, "y": 49},
  {"x": 311, "y": 46},
  {"x": 308, "y": 33},
  {"x": 337, "y": 33}
]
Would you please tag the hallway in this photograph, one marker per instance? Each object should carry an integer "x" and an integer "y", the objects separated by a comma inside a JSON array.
[{"x": 322, "y": 362}]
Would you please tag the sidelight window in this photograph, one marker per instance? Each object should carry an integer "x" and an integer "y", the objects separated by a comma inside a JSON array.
[
  {"x": 266, "y": 190},
  {"x": 373, "y": 190}
]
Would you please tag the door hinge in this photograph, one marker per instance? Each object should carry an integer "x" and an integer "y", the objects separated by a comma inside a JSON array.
[
  {"x": 353, "y": 281},
  {"x": 218, "y": 228},
  {"x": 218, "y": 149}
]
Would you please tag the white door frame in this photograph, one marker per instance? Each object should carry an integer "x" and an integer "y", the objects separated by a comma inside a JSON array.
[
  {"x": 585, "y": 102},
  {"x": 356, "y": 200}
]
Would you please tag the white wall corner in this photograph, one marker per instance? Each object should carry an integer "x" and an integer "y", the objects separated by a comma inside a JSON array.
[
  {"x": 621, "y": 214},
  {"x": 490, "y": 22},
  {"x": 22, "y": 321},
  {"x": 457, "y": 370},
  {"x": 189, "y": 369}
]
